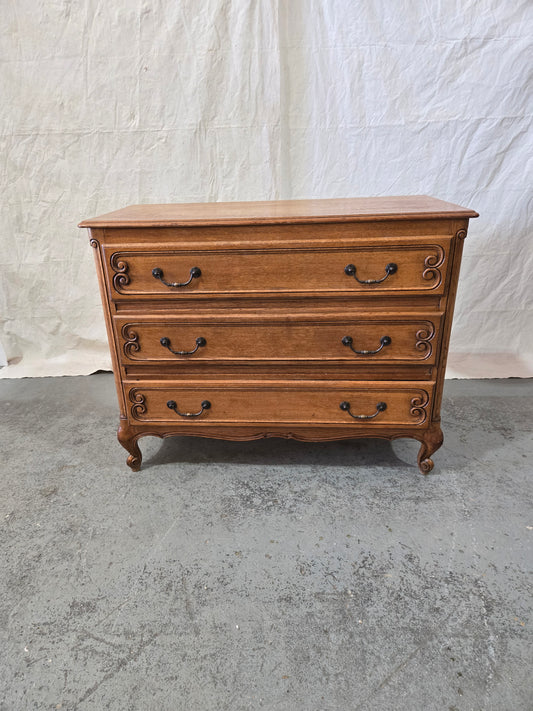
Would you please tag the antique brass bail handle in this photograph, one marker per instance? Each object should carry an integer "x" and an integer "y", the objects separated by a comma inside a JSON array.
[
  {"x": 380, "y": 407},
  {"x": 384, "y": 341},
  {"x": 351, "y": 269},
  {"x": 200, "y": 343},
  {"x": 195, "y": 273},
  {"x": 172, "y": 405}
]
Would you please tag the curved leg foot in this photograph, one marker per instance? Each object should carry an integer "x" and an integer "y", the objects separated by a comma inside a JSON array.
[
  {"x": 432, "y": 440},
  {"x": 129, "y": 442}
]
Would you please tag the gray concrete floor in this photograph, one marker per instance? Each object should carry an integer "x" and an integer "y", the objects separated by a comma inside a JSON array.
[{"x": 263, "y": 575}]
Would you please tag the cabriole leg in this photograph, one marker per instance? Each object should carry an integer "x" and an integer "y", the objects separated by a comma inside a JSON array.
[
  {"x": 430, "y": 442},
  {"x": 129, "y": 441}
]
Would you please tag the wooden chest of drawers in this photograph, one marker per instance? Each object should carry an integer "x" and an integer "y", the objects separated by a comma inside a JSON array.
[{"x": 306, "y": 319}]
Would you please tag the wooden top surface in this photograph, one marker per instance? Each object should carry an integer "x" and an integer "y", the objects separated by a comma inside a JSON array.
[{"x": 280, "y": 212}]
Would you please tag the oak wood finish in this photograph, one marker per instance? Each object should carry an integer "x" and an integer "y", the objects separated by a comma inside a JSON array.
[
  {"x": 280, "y": 402},
  {"x": 314, "y": 320},
  {"x": 280, "y": 270},
  {"x": 281, "y": 212},
  {"x": 228, "y": 338}
]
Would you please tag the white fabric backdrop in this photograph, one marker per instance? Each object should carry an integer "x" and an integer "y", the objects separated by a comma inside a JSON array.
[{"x": 109, "y": 104}]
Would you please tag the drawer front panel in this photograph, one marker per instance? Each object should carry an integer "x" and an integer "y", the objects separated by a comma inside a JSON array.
[
  {"x": 386, "y": 339},
  {"x": 339, "y": 403},
  {"x": 174, "y": 274}
]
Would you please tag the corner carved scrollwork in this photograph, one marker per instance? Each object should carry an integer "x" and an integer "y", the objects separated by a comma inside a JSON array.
[
  {"x": 94, "y": 243},
  {"x": 131, "y": 339},
  {"x": 121, "y": 277},
  {"x": 432, "y": 263},
  {"x": 460, "y": 234},
  {"x": 418, "y": 407},
  {"x": 139, "y": 404},
  {"x": 424, "y": 336}
]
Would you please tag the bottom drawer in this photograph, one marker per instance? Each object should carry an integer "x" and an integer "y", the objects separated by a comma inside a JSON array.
[{"x": 357, "y": 404}]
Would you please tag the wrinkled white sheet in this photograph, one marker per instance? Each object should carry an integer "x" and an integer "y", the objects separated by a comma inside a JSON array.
[{"x": 109, "y": 104}]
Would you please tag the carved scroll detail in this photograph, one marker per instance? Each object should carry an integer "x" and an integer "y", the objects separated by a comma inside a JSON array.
[
  {"x": 432, "y": 263},
  {"x": 131, "y": 339},
  {"x": 430, "y": 441},
  {"x": 139, "y": 404},
  {"x": 121, "y": 277},
  {"x": 128, "y": 439},
  {"x": 94, "y": 243},
  {"x": 418, "y": 406},
  {"x": 423, "y": 337},
  {"x": 460, "y": 234}
]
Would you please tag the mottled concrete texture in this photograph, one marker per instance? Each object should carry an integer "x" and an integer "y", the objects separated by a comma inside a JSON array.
[{"x": 264, "y": 575}]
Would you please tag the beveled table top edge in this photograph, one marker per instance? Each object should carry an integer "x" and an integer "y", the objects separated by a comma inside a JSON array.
[{"x": 278, "y": 212}]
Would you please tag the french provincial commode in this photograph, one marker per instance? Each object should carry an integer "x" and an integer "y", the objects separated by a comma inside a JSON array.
[{"x": 306, "y": 319}]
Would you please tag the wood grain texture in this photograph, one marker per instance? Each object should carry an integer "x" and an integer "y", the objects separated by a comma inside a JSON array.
[
  {"x": 442, "y": 354},
  {"x": 430, "y": 439},
  {"x": 421, "y": 267},
  {"x": 276, "y": 370},
  {"x": 286, "y": 403},
  {"x": 95, "y": 242},
  {"x": 262, "y": 236},
  {"x": 267, "y": 339},
  {"x": 271, "y": 308},
  {"x": 281, "y": 212}
]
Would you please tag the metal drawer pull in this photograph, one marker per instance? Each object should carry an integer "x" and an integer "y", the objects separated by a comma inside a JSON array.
[
  {"x": 380, "y": 407},
  {"x": 350, "y": 270},
  {"x": 195, "y": 272},
  {"x": 171, "y": 404},
  {"x": 200, "y": 343},
  {"x": 385, "y": 341}
]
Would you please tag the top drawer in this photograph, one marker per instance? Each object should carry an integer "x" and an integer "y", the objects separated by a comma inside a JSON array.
[{"x": 408, "y": 265}]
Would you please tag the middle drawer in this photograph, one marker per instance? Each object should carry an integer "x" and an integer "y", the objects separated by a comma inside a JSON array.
[{"x": 166, "y": 338}]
